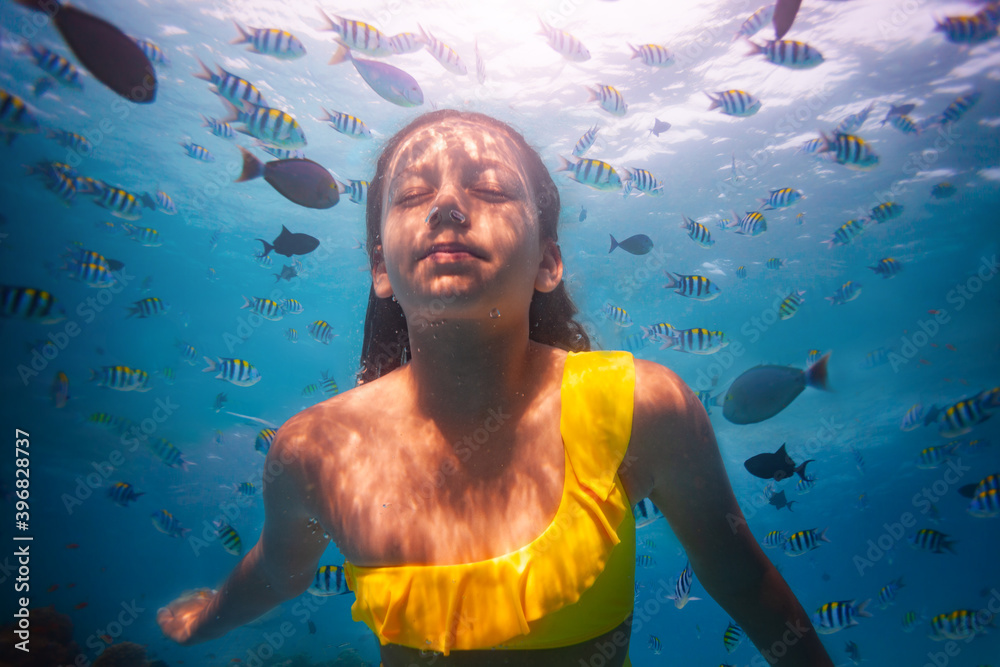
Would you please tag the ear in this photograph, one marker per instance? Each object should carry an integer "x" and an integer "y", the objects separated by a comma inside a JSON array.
[
  {"x": 550, "y": 268},
  {"x": 380, "y": 278}
]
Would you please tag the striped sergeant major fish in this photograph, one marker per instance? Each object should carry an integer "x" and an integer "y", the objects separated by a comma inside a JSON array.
[
  {"x": 230, "y": 86},
  {"x": 695, "y": 341},
  {"x": 586, "y": 141},
  {"x": 328, "y": 384},
  {"x": 593, "y": 173},
  {"x": 59, "y": 390},
  {"x": 237, "y": 371},
  {"x": 272, "y": 126},
  {"x": 933, "y": 457},
  {"x": 751, "y": 224},
  {"x": 144, "y": 236},
  {"x": 957, "y": 109},
  {"x": 321, "y": 331},
  {"x": 120, "y": 378},
  {"x": 887, "y": 267},
  {"x": 732, "y": 637},
  {"x": 804, "y": 541},
  {"x": 358, "y": 36},
  {"x": 347, "y": 124},
  {"x": 961, "y": 417},
  {"x": 959, "y": 624},
  {"x": 988, "y": 483},
  {"x": 231, "y": 541},
  {"x": 790, "y": 305},
  {"x": 148, "y": 307},
  {"x": 94, "y": 275},
  {"x": 152, "y": 51},
  {"x": 406, "y": 42},
  {"x": 781, "y": 198},
  {"x": 188, "y": 352},
  {"x": 123, "y": 493},
  {"x": 568, "y": 46},
  {"x": 695, "y": 287},
  {"x": 56, "y": 180},
  {"x": 645, "y": 560},
  {"x": 264, "y": 440},
  {"x": 645, "y": 513},
  {"x": 291, "y": 306},
  {"x": 849, "y": 291},
  {"x": 853, "y": 122},
  {"x": 967, "y": 29},
  {"x": 788, "y": 53},
  {"x": 15, "y": 117},
  {"x": 928, "y": 539},
  {"x": 835, "y": 616},
  {"x": 329, "y": 580},
  {"x": 29, "y": 303},
  {"x": 655, "y": 645},
  {"x": 162, "y": 202},
  {"x": 851, "y": 151},
  {"x": 617, "y": 315},
  {"x": 986, "y": 504},
  {"x": 805, "y": 484},
  {"x": 54, "y": 65},
  {"x": 846, "y": 233},
  {"x": 634, "y": 342},
  {"x": 611, "y": 100},
  {"x": 643, "y": 181},
  {"x": 774, "y": 263},
  {"x": 698, "y": 232},
  {"x": 168, "y": 524},
  {"x": 887, "y": 211},
  {"x": 813, "y": 146},
  {"x": 905, "y": 124},
  {"x": 653, "y": 55},
  {"x": 198, "y": 152},
  {"x": 913, "y": 418},
  {"x": 121, "y": 203},
  {"x": 71, "y": 140},
  {"x": 167, "y": 452},
  {"x": 741, "y": 272},
  {"x": 661, "y": 330},
  {"x": 757, "y": 20},
  {"x": 887, "y": 594},
  {"x": 218, "y": 127},
  {"x": 270, "y": 42},
  {"x": 266, "y": 308},
  {"x": 734, "y": 103},
  {"x": 682, "y": 589},
  {"x": 443, "y": 53}
]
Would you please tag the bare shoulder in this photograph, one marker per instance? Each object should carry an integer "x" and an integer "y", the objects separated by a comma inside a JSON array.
[{"x": 659, "y": 392}]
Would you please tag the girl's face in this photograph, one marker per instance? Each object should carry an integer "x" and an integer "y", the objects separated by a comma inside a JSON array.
[{"x": 460, "y": 230}]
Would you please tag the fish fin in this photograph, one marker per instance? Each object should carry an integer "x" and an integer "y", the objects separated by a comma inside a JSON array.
[
  {"x": 244, "y": 38},
  {"x": 816, "y": 374},
  {"x": 327, "y": 20},
  {"x": 673, "y": 281},
  {"x": 252, "y": 167},
  {"x": 342, "y": 54},
  {"x": 716, "y": 102},
  {"x": 614, "y": 243},
  {"x": 801, "y": 470},
  {"x": 148, "y": 201},
  {"x": 861, "y": 611},
  {"x": 592, "y": 94},
  {"x": 233, "y": 114},
  {"x": 205, "y": 74},
  {"x": 755, "y": 49},
  {"x": 211, "y": 365},
  {"x": 784, "y": 16},
  {"x": 564, "y": 164}
]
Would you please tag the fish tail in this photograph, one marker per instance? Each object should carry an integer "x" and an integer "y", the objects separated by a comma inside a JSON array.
[
  {"x": 342, "y": 54},
  {"x": 328, "y": 118},
  {"x": 716, "y": 102},
  {"x": 212, "y": 366},
  {"x": 592, "y": 94},
  {"x": 614, "y": 243},
  {"x": 932, "y": 415},
  {"x": 244, "y": 38},
  {"x": 252, "y": 167},
  {"x": 801, "y": 470},
  {"x": 234, "y": 113},
  {"x": 635, "y": 54},
  {"x": 564, "y": 164},
  {"x": 755, "y": 48},
  {"x": 789, "y": 505},
  {"x": 267, "y": 247},
  {"x": 816, "y": 374},
  {"x": 674, "y": 282},
  {"x": 668, "y": 342},
  {"x": 545, "y": 28},
  {"x": 861, "y": 611},
  {"x": 247, "y": 303},
  {"x": 148, "y": 201},
  {"x": 205, "y": 74}
]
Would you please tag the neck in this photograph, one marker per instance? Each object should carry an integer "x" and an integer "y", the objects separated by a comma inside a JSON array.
[{"x": 464, "y": 368}]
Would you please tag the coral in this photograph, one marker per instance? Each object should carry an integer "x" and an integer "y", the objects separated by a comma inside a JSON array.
[
  {"x": 51, "y": 641},
  {"x": 125, "y": 654}
]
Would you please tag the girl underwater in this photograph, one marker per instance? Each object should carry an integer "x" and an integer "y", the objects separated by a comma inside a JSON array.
[{"x": 479, "y": 480}]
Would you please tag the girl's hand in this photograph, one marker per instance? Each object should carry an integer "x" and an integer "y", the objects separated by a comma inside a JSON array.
[{"x": 179, "y": 620}]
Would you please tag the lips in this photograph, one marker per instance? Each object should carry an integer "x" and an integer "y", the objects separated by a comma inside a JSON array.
[{"x": 452, "y": 248}]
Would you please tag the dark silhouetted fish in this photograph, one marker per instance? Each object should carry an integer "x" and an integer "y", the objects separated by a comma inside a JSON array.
[
  {"x": 312, "y": 628},
  {"x": 115, "y": 265},
  {"x": 776, "y": 466},
  {"x": 784, "y": 16},
  {"x": 298, "y": 179},
  {"x": 764, "y": 391},
  {"x": 583, "y": 212},
  {"x": 391, "y": 83},
  {"x": 779, "y": 501},
  {"x": 108, "y": 53},
  {"x": 287, "y": 273},
  {"x": 289, "y": 243},
  {"x": 900, "y": 110},
  {"x": 639, "y": 244},
  {"x": 659, "y": 126}
]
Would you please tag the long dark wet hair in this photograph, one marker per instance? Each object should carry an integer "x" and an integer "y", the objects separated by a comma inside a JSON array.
[{"x": 386, "y": 344}]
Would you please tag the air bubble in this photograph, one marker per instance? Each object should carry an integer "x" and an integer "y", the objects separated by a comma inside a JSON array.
[{"x": 495, "y": 313}]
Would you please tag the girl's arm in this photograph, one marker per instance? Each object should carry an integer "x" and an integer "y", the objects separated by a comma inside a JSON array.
[
  {"x": 678, "y": 465},
  {"x": 279, "y": 567}
]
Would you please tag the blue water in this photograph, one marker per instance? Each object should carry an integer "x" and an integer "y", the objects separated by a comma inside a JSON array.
[{"x": 885, "y": 52}]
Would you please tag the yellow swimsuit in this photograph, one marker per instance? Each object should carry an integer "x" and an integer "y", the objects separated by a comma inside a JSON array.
[{"x": 572, "y": 583}]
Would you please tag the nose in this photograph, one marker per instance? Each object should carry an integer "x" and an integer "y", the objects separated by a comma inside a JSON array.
[{"x": 447, "y": 207}]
